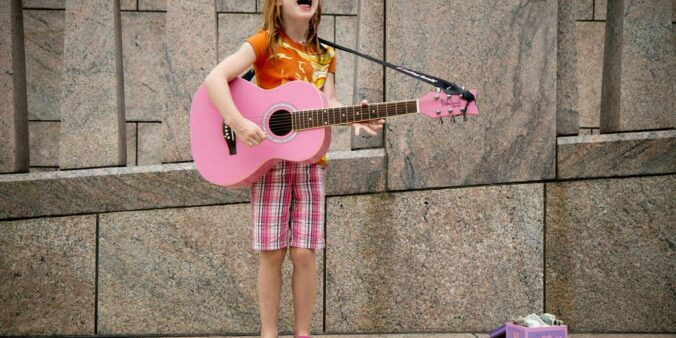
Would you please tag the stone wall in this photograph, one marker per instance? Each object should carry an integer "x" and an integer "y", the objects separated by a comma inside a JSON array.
[
  {"x": 430, "y": 227},
  {"x": 145, "y": 63}
]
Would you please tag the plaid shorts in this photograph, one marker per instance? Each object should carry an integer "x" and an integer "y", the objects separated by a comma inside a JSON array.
[{"x": 290, "y": 196}]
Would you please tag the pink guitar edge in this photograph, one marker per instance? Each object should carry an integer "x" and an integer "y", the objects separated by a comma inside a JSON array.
[{"x": 296, "y": 119}]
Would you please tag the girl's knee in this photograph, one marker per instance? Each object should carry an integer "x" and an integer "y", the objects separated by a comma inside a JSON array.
[
  {"x": 302, "y": 257},
  {"x": 275, "y": 257}
]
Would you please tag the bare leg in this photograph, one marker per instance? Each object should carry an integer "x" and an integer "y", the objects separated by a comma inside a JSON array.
[
  {"x": 304, "y": 284},
  {"x": 269, "y": 289}
]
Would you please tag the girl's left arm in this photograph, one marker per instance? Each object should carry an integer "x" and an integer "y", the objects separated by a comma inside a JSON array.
[{"x": 371, "y": 126}]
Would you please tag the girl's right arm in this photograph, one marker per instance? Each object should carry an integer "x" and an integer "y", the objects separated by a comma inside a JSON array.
[{"x": 219, "y": 93}]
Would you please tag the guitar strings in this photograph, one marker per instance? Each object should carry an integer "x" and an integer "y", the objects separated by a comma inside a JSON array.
[
  {"x": 380, "y": 109},
  {"x": 353, "y": 113}
]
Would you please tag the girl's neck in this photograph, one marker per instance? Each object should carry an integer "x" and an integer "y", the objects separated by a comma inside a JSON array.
[{"x": 296, "y": 30}]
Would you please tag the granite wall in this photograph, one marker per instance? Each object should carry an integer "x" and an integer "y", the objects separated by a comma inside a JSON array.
[
  {"x": 505, "y": 49},
  {"x": 430, "y": 228},
  {"x": 143, "y": 29}
]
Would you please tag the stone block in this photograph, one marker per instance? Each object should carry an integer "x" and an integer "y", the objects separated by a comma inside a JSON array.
[
  {"x": 342, "y": 7},
  {"x": 356, "y": 172},
  {"x": 44, "y": 62},
  {"x": 144, "y": 54},
  {"x": 584, "y": 9},
  {"x": 132, "y": 143},
  {"x": 236, "y": 6},
  {"x": 41, "y": 169},
  {"x": 589, "y": 131},
  {"x": 340, "y": 138},
  {"x": 600, "y": 8},
  {"x": 47, "y": 276},
  {"x": 369, "y": 75},
  {"x": 125, "y": 5},
  {"x": 233, "y": 29},
  {"x": 191, "y": 54},
  {"x": 128, "y": 5},
  {"x": 13, "y": 107},
  {"x": 44, "y": 143},
  {"x": 638, "y": 67},
  {"x": 590, "y": 37},
  {"x": 92, "y": 110},
  {"x": 46, "y": 4},
  {"x": 152, "y": 5},
  {"x": 609, "y": 258},
  {"x": 185, "y": 271},
  {"x": 567, "y": 112},
  {"x": 624, "y": 154},
  {"x": 471, "y": 265},
  {"x": 160, "y": 186},
  {"x": 150, "y": 143},
  {"x": 327, "y": 29},
  {"x": 514, "y": 71},
  {"x": 345, "y": 35}
]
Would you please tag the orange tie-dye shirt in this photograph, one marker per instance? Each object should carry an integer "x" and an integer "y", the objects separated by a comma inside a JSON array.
[{"x": 292, "y": 61}]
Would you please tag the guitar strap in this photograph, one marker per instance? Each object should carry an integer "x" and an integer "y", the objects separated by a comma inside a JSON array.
[{"x": 447, "y": 86}]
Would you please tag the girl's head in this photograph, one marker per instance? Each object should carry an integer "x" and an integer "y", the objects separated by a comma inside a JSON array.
[{"x": 276, "y": 11}]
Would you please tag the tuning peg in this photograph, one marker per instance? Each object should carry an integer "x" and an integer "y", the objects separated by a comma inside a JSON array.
[
  {"x": 464, "y": 117},
  {"x": 453, "y": 119},
  {"x": 436, "y": 96},
  {"x": 441, "y": 121}
]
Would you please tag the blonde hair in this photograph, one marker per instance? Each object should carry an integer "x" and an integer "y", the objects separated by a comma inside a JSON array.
[{"x": 273, "y": 24}]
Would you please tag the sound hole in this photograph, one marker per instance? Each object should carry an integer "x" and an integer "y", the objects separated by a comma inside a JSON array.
[{"x": 280, "y": 122}]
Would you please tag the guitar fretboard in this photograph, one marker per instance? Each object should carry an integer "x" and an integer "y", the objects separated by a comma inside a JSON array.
[{"x": 308, "y": 119}]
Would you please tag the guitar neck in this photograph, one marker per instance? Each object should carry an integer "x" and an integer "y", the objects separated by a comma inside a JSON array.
[{"x": 309, "y": 119}]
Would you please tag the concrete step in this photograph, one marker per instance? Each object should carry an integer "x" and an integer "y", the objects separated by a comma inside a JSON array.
[{"x": 466, "y": 335}]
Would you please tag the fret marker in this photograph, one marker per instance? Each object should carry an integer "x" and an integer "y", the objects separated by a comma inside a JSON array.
[
  {"x": 325, "y": 122},
  {"x": 310, "y": 119}
]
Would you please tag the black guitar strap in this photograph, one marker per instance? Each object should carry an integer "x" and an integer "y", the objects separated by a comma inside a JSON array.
[{"x": 447, "y": 86}]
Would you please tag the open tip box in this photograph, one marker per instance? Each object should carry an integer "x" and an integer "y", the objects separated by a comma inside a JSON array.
[{"x": 510, "y": 330}]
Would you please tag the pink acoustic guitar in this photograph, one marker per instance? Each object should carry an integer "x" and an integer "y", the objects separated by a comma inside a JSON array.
[{"x": 296, "y": 120}]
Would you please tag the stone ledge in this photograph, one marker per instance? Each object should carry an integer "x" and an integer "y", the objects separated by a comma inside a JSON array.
[
  {"x": 471, "y": 335},
  {"x": 160, "y": 186},
  {"x": 622, "y": 154}
]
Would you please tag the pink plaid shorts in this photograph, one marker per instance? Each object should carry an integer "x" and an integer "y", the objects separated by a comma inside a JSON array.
[{"x": 290, "y": 196}]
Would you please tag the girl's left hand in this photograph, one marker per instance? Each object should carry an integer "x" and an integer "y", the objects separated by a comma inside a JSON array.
[{"x": 371, "y": 126}]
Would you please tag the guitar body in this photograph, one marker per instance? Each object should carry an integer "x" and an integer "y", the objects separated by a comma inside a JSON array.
[{"x": 271, "y": 110}]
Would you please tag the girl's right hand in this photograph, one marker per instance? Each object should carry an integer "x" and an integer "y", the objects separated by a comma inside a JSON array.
[{"x": 250, "y": 133}]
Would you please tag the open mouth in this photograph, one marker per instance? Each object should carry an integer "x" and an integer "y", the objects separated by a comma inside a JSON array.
[{"x": 305, "y": 4}]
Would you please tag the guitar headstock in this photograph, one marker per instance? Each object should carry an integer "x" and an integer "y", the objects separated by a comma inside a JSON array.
[{"x": 439, "y": 104}]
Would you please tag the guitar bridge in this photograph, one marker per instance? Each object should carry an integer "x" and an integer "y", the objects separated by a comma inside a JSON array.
[{"x": 229, "y": 136}]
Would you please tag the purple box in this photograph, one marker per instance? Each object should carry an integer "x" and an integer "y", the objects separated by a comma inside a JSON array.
[
  {"x": 498, "y": 333},
  {"x": 518, "y": 331}
]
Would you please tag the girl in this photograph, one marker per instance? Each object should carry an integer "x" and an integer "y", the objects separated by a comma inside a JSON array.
[{"x": 291, "y": 194}]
